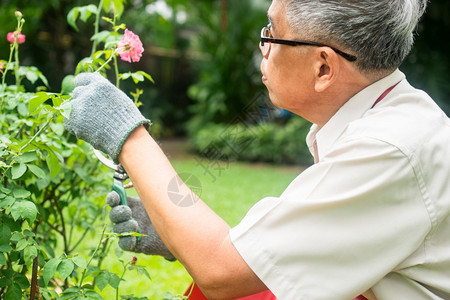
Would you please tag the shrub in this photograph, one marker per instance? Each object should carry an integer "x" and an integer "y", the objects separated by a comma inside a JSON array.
[
  {"x": 265, "y": 142},
  {"x": 52, "y": 189}
]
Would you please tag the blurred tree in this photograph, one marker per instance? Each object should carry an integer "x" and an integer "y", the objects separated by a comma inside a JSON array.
[
  {"x": 230, "y": 79},
  {"x": 428, "y": 65}
]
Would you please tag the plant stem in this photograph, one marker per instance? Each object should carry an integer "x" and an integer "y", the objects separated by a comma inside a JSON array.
[
  {"x": 121, "y": 278},
  {"x": 37, "y": 133},
  {"x": 34, "y": 280},
  {"x": 93, "y": 255},
  {"x": 113, "y": 55},
  {"x": 16, "y": 63},
  {"x": 116, "y": 70},
  {"x": 11, "y": 51},
  {"x": 97, "y": 25}
]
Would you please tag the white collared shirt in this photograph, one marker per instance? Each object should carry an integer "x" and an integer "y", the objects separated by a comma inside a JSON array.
[{"x": 372, "y": 216}]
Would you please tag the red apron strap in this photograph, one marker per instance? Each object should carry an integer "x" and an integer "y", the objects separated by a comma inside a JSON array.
[
  {"x": 384, "y": 94},
  {"x": 194, "y": 293}
]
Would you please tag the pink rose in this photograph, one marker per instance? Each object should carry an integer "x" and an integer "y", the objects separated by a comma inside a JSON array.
[
  {"x": 12, "y": 35},
  {"x": 1, "y": 66},
  {"x": 130, "y": 47}
]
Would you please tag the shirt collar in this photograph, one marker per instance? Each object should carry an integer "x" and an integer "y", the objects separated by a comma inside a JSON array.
[{"x": 352, "y": 110}]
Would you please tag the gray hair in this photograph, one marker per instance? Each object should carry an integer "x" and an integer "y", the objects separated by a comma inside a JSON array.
[{"x": 379, "y": 32}]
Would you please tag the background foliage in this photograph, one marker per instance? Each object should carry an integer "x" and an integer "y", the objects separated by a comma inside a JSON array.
[{"x": 198, "y": 60}]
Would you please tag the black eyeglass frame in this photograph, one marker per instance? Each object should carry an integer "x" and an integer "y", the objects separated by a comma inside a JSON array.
[{"x": 265, "y": 39}]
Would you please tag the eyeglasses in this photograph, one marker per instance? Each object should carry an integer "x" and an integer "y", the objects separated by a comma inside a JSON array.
[{"x": 267, "y": 40}]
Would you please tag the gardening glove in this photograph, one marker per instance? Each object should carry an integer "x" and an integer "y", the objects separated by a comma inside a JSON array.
[
  {"x": 102, "y": 115},
  {"x": 121, "y": 215}
]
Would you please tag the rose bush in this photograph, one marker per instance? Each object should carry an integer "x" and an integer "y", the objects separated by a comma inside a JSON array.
[{"x": 52, "y": 188}]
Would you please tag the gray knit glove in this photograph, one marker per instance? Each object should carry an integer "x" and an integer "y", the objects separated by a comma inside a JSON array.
[
  {"x": 150, "y": 242},
  {"x": 102, "y": 115}
]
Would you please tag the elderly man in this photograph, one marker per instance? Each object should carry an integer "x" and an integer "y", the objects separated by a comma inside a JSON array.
[{"x": 370, "y": 217}]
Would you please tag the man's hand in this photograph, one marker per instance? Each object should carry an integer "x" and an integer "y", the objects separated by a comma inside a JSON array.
[
  {"x": 102, "y": 115},
  {"x": 150, "y": 243}
]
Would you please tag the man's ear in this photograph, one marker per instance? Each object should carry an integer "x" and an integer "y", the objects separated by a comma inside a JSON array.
[{"x": 326, "y": 68}]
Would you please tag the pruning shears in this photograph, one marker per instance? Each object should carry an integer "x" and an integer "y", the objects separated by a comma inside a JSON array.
[{"x": 119, "y": 177}]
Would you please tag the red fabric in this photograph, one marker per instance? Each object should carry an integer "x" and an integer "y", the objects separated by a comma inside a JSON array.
[
  {"x": 384, "y": 95},
  {"x": 360, "y": 297},
  {"x": 198, "y": 295}
]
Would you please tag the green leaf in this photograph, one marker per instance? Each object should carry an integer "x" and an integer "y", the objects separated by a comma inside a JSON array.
[
  {"x": 78, "y": 295},
  {"x": 65, "y": 268},
  {"x": 93, "y": 295},
  {"x": 48, "y": 294},
  {"x": 142, "y": 271},
  {"x": 28, "y": 210},
  {"x": 43, "y": 78},
  {"x": 53, "y": 163},
  {"x": 125, "y": 75},
  {"x": 36, "y": 171},
  {"x": 102, "y": 280},
  {"x": 50, "y": 269},
  {"x": 87, "y": 11},
  {"x": 43, "y": 182},
  {"x": 35, "y": 102},
  {"x": 5, "y": 248},
  {"x": 21, "y": 245},
  {"x": 79, "y": 261},
  {"x": 29, "y": 233},
  {"x": 25, "y": 209},
  {"x": 18, "y": 170},
  {"x": 22, "y": 281},
  {"x": 56, "y": 100},
  {"x": 146, "y": 75},
  {"x": 137, "y": 77},
  {"x": 67, "y": 85},
  {"x": 83, "y": 11},
  {"x": 5, "y": 281},
  {"x": 119, "y": 6},
  {"x": 20, "y": 193},
  {"x": 49, "y": 249},
  {"x": 32, "y": 76},
  {"x": 28, "y": 156},
  {"x": 57, "y": 128},
  {"x": 5, "y": 190},
  {"x": 17, "y": 236},
  {"x": 30, "y": 253},
  {"x": 65, "y": 109},
  {"x": 14, "y": 292},
  {"x": 72, "y": 17},
  {"x": 107, "y": 5},
  {"x": 7, "y": 202},
  {"x": 5, "y": 234},
  {"x": 22, "y": 109},
  {"x": 114, "y": 280},
  {"x": 100, "y": 36},
  {"x": 15, "y": 211},
  {"x": 2, "y": 259}
]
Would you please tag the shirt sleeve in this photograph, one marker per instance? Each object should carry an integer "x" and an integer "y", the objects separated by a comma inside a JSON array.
[{"x": 340, "y": 226}]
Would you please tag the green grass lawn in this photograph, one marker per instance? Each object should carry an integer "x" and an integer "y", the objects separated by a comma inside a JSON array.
[{"x": 230, "y": 193}]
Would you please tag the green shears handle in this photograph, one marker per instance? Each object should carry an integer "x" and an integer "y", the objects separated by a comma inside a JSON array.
[
  {"x": 120, "y": 176},
  {"x": 120, "y": 190}
]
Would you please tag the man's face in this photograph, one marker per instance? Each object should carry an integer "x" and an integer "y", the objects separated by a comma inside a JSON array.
[{"x": 285, "y": 69}]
